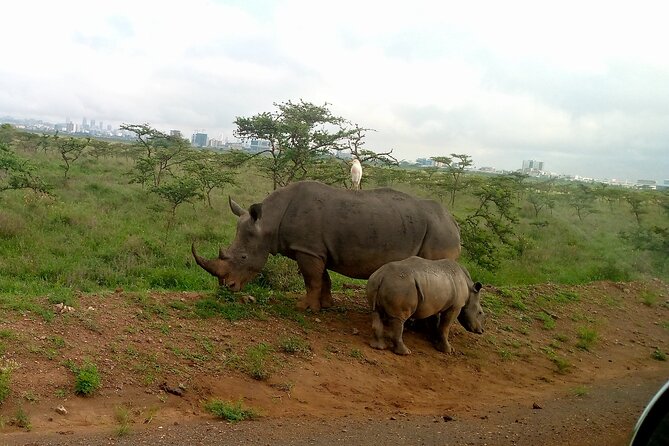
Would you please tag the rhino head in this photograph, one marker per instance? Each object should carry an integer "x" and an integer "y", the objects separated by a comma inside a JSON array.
[
  {"x": 472, "y": 316},
  {"x": 247, "y": 255}
]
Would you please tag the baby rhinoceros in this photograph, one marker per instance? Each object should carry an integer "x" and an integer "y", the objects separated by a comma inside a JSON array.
[{"x": 419, "y": 288}]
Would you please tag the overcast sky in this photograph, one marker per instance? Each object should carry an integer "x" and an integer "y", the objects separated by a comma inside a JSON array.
[{"x": 582, "y": 86}]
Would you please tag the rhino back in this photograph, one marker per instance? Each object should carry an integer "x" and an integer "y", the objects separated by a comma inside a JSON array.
[{"x": 356, "y": 232}]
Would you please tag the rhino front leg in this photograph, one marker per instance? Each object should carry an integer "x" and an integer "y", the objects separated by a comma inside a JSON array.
[
  {"x": 326, "y": 290},
  {"x": 312, "y": 269},
  {"x": 378, "y": 340},
  {"x": 447, "y": 318},
  {"x": 396, "y": 327}
]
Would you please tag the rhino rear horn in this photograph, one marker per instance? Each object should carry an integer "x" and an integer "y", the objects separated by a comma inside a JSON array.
[{"x": 236, "y": 209}]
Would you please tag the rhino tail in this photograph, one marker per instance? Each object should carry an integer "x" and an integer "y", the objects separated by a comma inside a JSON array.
[{"x": 373, "y": 287}]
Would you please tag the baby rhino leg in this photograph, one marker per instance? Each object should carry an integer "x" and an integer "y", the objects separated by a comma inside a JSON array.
[
  {"x": 396, "y": 327},
  {"x": 378, "y": 340}
]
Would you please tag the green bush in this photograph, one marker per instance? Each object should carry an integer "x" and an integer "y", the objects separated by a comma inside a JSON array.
[
  {"x": 230, "y": 411},
  {"x": 87, "y": 380}
]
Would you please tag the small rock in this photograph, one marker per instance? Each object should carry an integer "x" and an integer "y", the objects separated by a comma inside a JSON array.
[
  {"x": 178, "y": 391},
  {"x": 248, "y": 299},
  {"x": 90, "y": 309},
  {"x": 118, "y": 290},
  {"x": 393, "y": 418},
  {"x": 355, "y": 331},
  {"x": 448, "y": 418},
  {"x": 317, "y": 320},
  {"x": 61, "y": 410},
  {"x": 536, "y": 406},
  {"x": 62, "y": 308}
]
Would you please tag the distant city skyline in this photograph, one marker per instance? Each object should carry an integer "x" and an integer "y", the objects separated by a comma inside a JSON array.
[{"x": 199, "y": 138}]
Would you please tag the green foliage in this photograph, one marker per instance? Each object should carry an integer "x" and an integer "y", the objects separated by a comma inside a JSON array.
[
  {"x": 562, "y": 364},
  {"x": 547, "y": 319},
  {"x": 281, "y": 274},
  {"x": 157, "y": 154},
  {"x": 21, "y": 420},
  {"x": 18, "y": 173},
  {"x": 455, "y": 166},
  {"x": 87, "y": 379},
  {"x": 299, "y": 134},
  {"x": 649, "y": 298},
  {"x": 658, "y": 355},
  {"x": 586, "y": 338},
  {"x": 256, "y": 361},
  {"x": 294, "y": 344},
  {"x": 580, "y": 391},
  {"x": 6, "y": 369},
  {"x": 489, "y": 230},
  {"x": 122, "y": 415},
  {"x": 230, "y": 411},
  {"x": 70, "y": 150}
]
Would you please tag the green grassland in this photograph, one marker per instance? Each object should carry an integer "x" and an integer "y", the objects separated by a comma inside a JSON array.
[{"x": 97, "y": 232}]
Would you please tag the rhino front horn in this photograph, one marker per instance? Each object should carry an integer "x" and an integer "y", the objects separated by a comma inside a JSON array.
[{"x": 207, "y": 265}]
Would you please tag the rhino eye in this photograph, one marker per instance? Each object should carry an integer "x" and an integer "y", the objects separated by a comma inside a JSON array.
[{"x": 243, "y": 256}]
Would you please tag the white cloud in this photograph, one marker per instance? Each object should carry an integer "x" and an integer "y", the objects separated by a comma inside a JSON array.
[{"x": 582, "y": 86}]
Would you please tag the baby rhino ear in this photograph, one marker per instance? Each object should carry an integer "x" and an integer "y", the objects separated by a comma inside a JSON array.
[{"x": 477, "y": 286}]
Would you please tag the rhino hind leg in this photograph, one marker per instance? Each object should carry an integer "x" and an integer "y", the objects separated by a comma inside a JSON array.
[{"x": 378, "y": 338}]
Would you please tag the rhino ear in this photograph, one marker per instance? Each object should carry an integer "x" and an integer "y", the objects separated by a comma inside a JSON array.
[
  {"x": 256, "y": 211},
  {"x": 236, "y": 209},
  {"x": 478, "y": 286}
]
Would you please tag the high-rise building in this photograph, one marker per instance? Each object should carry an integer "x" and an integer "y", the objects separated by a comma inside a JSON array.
[
  {"x": 199, "y": 139},
  {"x": 532, "y": 166}
]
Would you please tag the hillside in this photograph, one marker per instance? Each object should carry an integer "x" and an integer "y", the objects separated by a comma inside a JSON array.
[{"x": 590, "y": 356}]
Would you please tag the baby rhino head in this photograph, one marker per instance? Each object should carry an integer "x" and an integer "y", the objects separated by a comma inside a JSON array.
[{"x": 472, "y": 316}]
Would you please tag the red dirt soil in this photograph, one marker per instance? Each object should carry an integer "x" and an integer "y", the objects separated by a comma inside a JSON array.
[{"x": 521, "y": 382}]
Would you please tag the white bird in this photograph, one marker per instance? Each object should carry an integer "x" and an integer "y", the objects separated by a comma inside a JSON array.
[{"x": 356, "y": 173}]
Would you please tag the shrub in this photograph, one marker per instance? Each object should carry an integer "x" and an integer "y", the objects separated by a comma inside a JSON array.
[
  {"x": 586, "y": 337},
  {"x": 294, "y": 344},
  {"x": 230, "y": 411},
  {"x": 87, "y": 379},
  {"x": 658, "y": 355}
]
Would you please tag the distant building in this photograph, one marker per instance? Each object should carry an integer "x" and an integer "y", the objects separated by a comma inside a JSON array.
[
  {"x": 256, "y": 145},
  {"x": 199, "y": 139},
  {"x": 646, "y": 184},
  {"x": 532, "y": 167},
  {"x": 176, "y": 133},
  {"x": 425, "y": 162}
]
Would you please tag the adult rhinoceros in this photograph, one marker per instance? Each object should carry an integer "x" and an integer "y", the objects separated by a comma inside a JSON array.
[{"x": 321, "y": 227}]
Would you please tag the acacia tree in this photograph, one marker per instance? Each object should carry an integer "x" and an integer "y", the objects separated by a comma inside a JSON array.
[
  {"x": 298, "y": 135},
  {"x": 637, "y": 201},
  {"x": 490, "y": 227},
  {"x": 159, "y": 153},
  {"x": 582, "y": 199},
  {"x": 70, "y": 150},
  {"x": 17, "y": 173},
  {"x": 456, "y": 164},
  {"x": 211, "y": 170}
]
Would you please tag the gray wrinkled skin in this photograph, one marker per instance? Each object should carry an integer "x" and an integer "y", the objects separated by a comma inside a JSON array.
[
  {"x": 419, "y": 288},
  {"x": 326, "y": 228}
]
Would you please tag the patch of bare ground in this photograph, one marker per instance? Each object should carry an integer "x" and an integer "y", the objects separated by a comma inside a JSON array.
[{"x": 556, "y": 365}]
